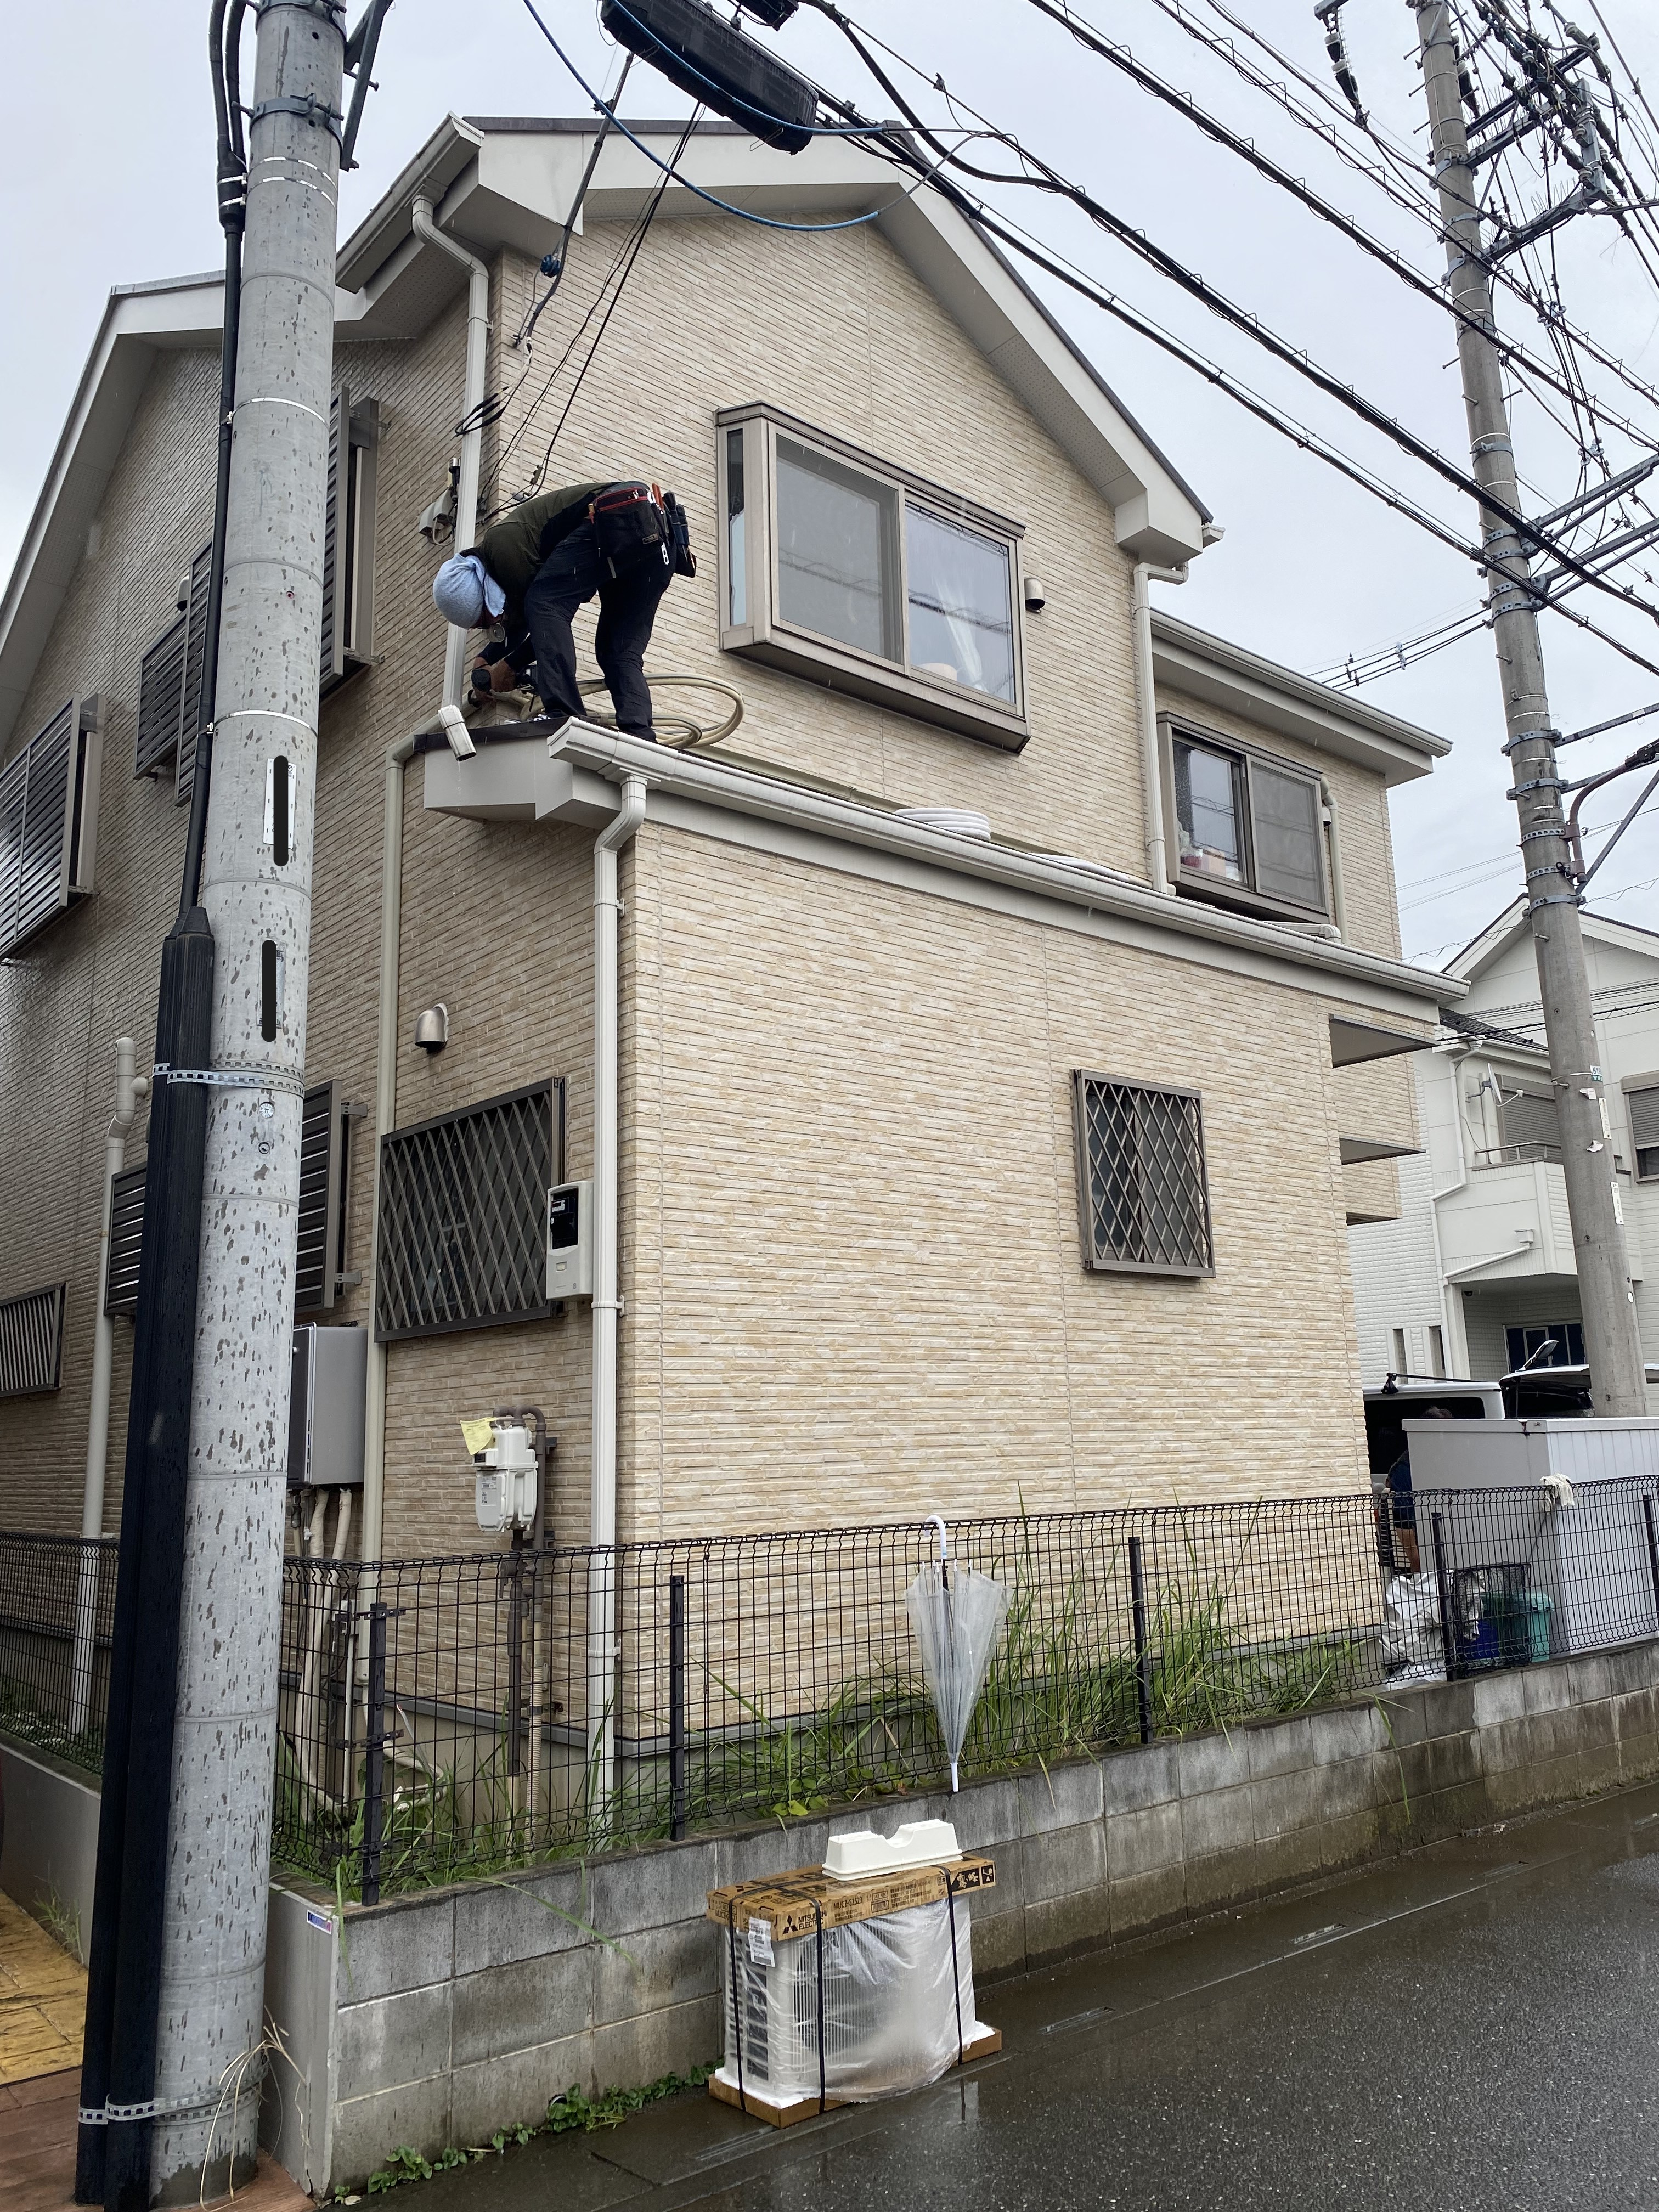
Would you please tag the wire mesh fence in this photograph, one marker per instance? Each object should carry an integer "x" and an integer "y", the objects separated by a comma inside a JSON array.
[
  {"x": 56, "y": 1601},
  {"x": 441, "y": 1720}
]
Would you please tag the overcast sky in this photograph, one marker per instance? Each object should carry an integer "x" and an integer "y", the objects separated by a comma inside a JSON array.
[{"x": 108, "y": 112}]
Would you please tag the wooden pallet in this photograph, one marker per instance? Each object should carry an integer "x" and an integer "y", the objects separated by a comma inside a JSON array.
[
  {"x": 799, "y": 1903},
  {"x": 784, "y": 2112}
]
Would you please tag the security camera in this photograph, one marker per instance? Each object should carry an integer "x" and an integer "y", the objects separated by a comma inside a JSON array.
[
  {"x": 437, "y": 524},
  {"x": 453, "y": 723}
]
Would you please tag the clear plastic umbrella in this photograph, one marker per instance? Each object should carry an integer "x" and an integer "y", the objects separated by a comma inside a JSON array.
[{"x": 957, "y": 1616}]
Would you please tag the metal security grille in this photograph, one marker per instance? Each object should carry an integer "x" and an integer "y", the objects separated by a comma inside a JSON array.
[
  {"x": 126, "y": 1239},
  {"x": 1142, "y": 1191},
  {"x": 190, "y": 705},
  {"x": 349, "y": 536},
  {"x": 31, "y": 1341},
  {"x": 463, "y": 1207}
]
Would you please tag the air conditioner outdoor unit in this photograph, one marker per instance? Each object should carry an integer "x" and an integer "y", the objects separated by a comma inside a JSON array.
[{"x": 890, "y": 2017}]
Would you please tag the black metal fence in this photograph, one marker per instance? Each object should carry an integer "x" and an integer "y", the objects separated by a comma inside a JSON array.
[
  {"x": 443, "y": 1719},
  {"x": 57, "y": 1601}
]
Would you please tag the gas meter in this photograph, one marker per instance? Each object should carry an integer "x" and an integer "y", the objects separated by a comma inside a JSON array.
[{"x": 506, "y": 1481}]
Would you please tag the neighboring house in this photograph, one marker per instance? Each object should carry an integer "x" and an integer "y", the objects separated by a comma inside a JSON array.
[
  {"x": 1478, "y": 1274},
  {"x": 956, "y": 1169}
]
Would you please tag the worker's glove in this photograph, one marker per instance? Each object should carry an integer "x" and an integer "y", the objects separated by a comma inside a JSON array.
[{"x": 493, "y": 676}]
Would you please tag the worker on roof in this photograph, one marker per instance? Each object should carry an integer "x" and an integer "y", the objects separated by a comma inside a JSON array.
[{"x": 620, "y": 542}]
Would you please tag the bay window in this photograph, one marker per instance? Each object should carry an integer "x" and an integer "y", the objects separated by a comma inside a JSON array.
[{"x": 860, "y": 575}]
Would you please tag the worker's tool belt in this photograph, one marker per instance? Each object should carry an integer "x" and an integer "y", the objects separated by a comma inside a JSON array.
[
  {"x": 680, "y": 537},
  {"x": 630, "y": 526}
]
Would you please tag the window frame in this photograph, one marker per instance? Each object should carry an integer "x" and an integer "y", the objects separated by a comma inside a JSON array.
[
  {"x": 1175, "y": 728},
  {"x": 1095, "y": 1261},
  {"x": 764, "y": 634}
]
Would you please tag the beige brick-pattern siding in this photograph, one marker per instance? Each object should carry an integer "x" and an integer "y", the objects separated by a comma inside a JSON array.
[{"x": 849, "y": 1230}]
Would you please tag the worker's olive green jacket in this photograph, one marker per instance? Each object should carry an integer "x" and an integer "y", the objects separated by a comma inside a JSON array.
[{"x": 517, "y": 545}]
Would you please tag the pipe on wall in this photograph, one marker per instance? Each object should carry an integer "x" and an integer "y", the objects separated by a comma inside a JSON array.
[
  {"x": 1333, "y": 823},
  {"x": 1151, "y": 771},
  {"x": 477, "y": 348},
  {"x": 130, "y": 1089},
  {"x": 386, "y": 1118},
  {"x": 602, "y": 1529}
]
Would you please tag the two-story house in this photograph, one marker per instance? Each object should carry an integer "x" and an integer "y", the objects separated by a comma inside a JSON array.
[
  {"x": 1477, "y": 1275},
  {"x": 996, "y": 1153}
]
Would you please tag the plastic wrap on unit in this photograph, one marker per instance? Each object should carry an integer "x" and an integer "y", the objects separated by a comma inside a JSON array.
[{"x": 890, "y": 2015}]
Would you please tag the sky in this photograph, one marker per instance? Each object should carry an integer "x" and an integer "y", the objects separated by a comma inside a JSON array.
[{"x": 107, "y": 110}]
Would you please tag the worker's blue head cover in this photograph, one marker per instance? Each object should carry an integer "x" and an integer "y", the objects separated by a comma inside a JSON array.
[{"x": 464, "y": 591}]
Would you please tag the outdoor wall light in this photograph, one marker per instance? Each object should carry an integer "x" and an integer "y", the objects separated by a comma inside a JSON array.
[{"x": 432, "y": 1028}]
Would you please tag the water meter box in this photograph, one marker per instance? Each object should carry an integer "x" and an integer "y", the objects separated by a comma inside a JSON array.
[{"x": 329, "y": 1385}]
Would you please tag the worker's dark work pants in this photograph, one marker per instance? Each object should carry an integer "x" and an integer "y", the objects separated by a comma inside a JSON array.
[{"x": 572, "y": 573}]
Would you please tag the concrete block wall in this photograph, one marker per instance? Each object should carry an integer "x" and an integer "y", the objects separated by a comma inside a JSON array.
[{"x": 463, "y": 2010}]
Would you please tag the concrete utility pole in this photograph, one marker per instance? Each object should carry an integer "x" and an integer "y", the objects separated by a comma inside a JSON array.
[
  {"x": 1612, "y": 1344},
  {"x": 256, "y": 890}
]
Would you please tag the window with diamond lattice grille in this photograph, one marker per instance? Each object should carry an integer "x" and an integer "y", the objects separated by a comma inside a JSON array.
[
  {"x": 463, "y": 1212},
  {"x": 1142, "y": 1191}
]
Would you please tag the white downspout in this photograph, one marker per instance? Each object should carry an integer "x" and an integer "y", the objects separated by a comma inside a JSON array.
[
  {"x": 386, "y": 1118},
  {"x": 129, "y": 1090},
  {"x": 1333, "y": 823},
  {"x": 602, "y": 1529},
  {"x": 478, "y": 351},
  {"x": 1151, "y": 772}
]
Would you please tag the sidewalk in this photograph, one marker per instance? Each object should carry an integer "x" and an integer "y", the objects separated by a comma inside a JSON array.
[{"x": 43, "y": 1999}]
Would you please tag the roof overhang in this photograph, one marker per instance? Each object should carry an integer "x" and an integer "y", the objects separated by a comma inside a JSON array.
[
  {"x": 1359, "y": 1151},
  {"x": 1220, "y": 674},
  {"x": 139, "y": 322},
  {"x": 1353, "y": 1041}
]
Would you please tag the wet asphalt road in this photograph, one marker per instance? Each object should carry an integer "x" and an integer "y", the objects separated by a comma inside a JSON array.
[{"x": 1476, "y": 2027}]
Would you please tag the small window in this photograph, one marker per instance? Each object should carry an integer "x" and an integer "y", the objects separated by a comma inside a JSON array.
[
  {"x": 1643, "y": 1107},
  {"x": 1436, "y": 1350},
  {"x": 1142, "y": 1192},
  {"x": 463, "y": 1216},
  {"x": 32, "y": 1341},
  {"x": 1247, "y": 828},
  {"x": 1398, "y": 1353},
  {"x": 1548, "y": 1344},
  {"x": 857, "y": 574}
]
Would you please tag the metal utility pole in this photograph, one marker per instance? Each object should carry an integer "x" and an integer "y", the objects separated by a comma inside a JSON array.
[
  {"x": 256, "y": 891},
  {"x": 1612, "y": 1344}
]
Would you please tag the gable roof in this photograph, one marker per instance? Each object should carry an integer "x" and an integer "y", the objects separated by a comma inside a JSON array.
[
  {"x": 508, "y": 182},
  {"x": 1505, "y": 928}
]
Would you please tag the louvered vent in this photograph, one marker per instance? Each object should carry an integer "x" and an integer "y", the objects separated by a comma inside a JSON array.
[
  {"x": 31, "y": 1341},
  {"x": 325, "y": 1125},
  {"x": 126, "y": 1238},
  {"x": 170, "y": 683},
  {"x": 463, "y": 1203},
  {"x": 320, "y": 1255},
  {"x": 349, "y": 536},
  {"x": 48, "y": 823},
  {"x": 1143, "y": 1194}
]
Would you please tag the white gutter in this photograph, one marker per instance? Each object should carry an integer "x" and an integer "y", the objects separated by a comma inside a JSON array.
[
  {"x": 1151, "y": 769},
  {"x": 130, "y": 1089},
  {"x": 386, "y": 1117},
  {"x": 602, "y": 1525},
  {"x": 612, "y": 754},
  {"x": 478, "y": 347}
]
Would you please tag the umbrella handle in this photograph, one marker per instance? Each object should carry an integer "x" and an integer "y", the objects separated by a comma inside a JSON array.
[{"x": 937, "y": 1520}]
